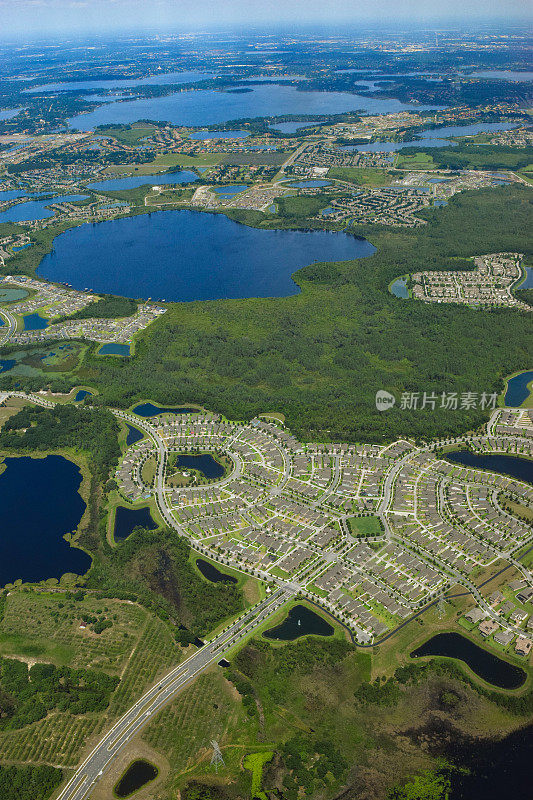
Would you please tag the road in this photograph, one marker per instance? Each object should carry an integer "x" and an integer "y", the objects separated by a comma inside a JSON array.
[
  {"x": 140, "y": 714},
  {"x": 7, "y": 331}
]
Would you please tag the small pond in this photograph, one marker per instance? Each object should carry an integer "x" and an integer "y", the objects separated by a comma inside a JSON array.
[
  {"x": 204, "y": 463},
  {"x": 150, "y": 410},
  {"x": 138, "y": 774},
  {"x": 488, "y": 666},
  {"x": 519, "y": 468},
  {"x": 230, "y": 191},
  {"x": 82, "y": 394},
  {"x": 134, "y": 435},
  {"x": 34, "y": 322},
  {"x": 127, "y": 519},
  {"x": 517, "y": 390},
  {"x": 309, "y": 184},
  {"x": 399, "y": 288},
  {"x": 114, "y": 349},
  {"x": 300, "y": 621},
  {"x": 203, "y": 135},
  {"x": 213, "y": 574}
]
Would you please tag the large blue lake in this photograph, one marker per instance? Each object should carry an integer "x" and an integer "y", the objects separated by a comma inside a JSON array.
[
  {"x": 436, "y": 137},
  {"x": 191, "y": 255},
  {"x": 517, "y": 389},
  {"x": 116, "y": 184},
  {"x": 39, "y": 503},
  {"x": 117, "y": 83},
  {"x": 36, "y": 209},
  {"x": 208, "y": 107}
]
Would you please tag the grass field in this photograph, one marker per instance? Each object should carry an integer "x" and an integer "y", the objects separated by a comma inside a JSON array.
[
  {"x": 415, "y": 161},
  {"x": 361, "y": 176},
  {"x": 365, "y": 526}
]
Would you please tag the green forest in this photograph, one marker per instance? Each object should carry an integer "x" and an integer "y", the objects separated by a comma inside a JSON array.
[
  {"x": 320, "y": 356},
  {"x": 29, "y": 783},
  {"x": 93, "y": 431}
]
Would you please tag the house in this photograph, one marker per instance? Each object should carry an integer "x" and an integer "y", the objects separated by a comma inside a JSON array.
[
  {"x": 504, "y": 637},
  {"x": 518, "y": 616},
  {"x": 523, "y": 646},
  {"x": 496, "y": 598},
  {"x": 525, "y": 595},
  {"x": 475, "y": 615},
  {"x": 488, "y": 626}
]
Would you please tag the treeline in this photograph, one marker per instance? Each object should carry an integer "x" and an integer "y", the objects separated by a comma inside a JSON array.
[
  {"x": 153, "y": 567},
  {"x": 468, "y": 156},
  {"x": 27, "y": 695},
  {"x": 29, "y": 782},
  {"x": 94, "y": 431}
]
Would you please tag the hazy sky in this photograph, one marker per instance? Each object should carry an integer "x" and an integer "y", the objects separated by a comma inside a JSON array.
[{"x": 32, "y": 16}]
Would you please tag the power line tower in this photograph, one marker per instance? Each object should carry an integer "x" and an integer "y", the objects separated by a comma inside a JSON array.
[
  {"x": 441, "y": 608},
  {"x": 216, "y": 758}
]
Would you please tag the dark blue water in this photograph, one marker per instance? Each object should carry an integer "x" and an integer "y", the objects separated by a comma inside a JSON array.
[
  {"x": 126, "y": 519},
  {"x": 114, "y": 349},
  {"x": 21, "y": 247},
  {"x": 210, "y": 107},
  {"x": 300, "y": 621},
  {"x": 204, "y": 135},
  {"x": 399, "y": 288},
  {"x": 36, "y": 209},
  {"x": 138, "y": 774},
  {"x": 6, "y": 364},
  {"x": 206, "y": 464},
  {"x": 528, "y": 282},
  {"x": 517, "y": 390},
  {"x": 116, "y": 184},
  {"x": 519, "y": 468},
  {"x": 293, "y": 127},
  {"x": 213, "y": 574},
  {"x": 488, "y": 666},
  {"x": 149, "y": 410},
  {"x": 81, "y": 394},
  {"x": 190, "y": 255},
  {"x": 230, "y": 191},
  {"x": 134, "y": 435},
  {"x": 34, "y": 322},
  {"x": 436, "y": 137},
  {"x": 11, "y": 194},
  {"x": 117, "y": 83},
  {"x": 309, "y": 184},
  {"x": 39, "y": 503}
]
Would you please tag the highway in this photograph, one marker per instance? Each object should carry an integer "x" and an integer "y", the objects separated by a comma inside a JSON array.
[{"x": 139, "y": 715}]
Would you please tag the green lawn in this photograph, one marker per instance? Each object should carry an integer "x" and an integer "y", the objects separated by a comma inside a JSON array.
[
  {"x": 365, "y": 526},
  {"x": 361, "y": 176}
]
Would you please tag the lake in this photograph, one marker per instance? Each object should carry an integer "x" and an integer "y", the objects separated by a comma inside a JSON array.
[
  {"x": 39, "y": 503},
  {"x": 114, "y": 349},
  {"x": 436, "y": 137},
  {"x": 399, "y": 288},
  {"x": 293, "y": 127},
  {"x": 134, "y": 435},
  {"x": 36, "y": 209},
  {"x": 205, "y": 463},
  {"x": 300, "y": 621},
  {"x": 81, "y": 395},
  {"x": 10, "y": 294},
  {"x": 488, "y": 666},
  {"x": 517, "y": 390},
  {"x": 118, "y": 83},
  {"x": 213, "y": 574},
  {"x": 230, "y": 191},
  {"x": 309, "y": 184},
  {"x": 138, "y": 774},
  {"x": 208, "y": 107},
  {"x": 127, "y": 519},
  {"x": 190, "y": 255},
  {"x": 149, "y": 410},
  {"x": 116, "y": 184},
  {"x": 503, "y": 74},
  {"x": 34, "y": 322},
  {"x": 519, "y": 468}
]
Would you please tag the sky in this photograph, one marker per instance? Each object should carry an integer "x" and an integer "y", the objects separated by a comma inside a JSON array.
[{"x": 31, "y": 17}]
